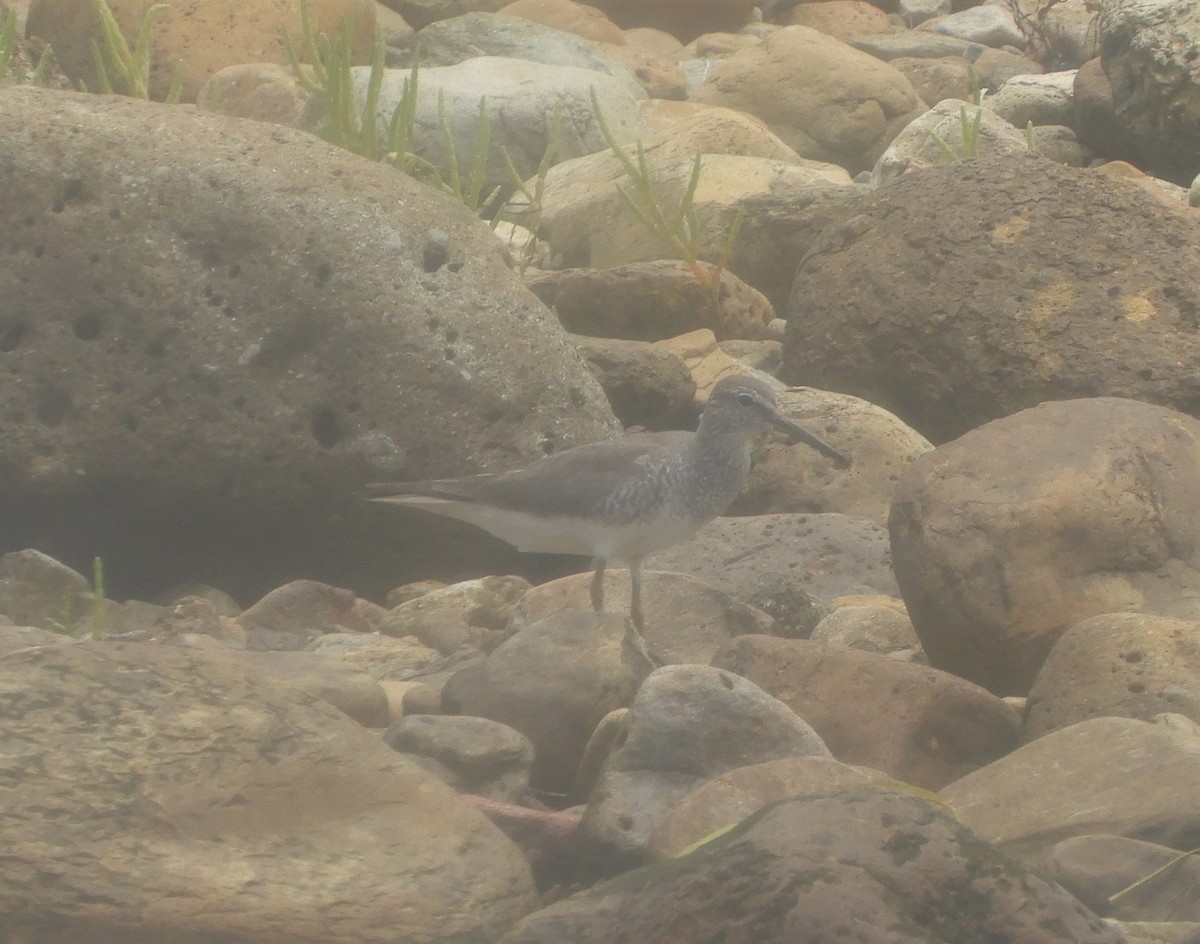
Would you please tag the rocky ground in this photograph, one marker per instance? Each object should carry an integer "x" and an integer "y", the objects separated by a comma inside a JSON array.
[{"x": 950, "y": 694}]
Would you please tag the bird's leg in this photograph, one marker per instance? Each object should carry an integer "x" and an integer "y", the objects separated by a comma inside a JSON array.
[
  {"x": 635, "y": 596},
  {"x": 597, "y": 587}
]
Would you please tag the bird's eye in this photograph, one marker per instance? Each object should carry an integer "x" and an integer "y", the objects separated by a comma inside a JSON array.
[{"x": 745, "y": 399}]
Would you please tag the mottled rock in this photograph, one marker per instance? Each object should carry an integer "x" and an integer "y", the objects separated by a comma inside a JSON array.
[
  {"x": 997, "y": 559},
  {"x": 948, "y": 316},
  {"x": 868, "y": 866},
  {"x": 180, "y": 795},
  {"x": 1128, "y": 664}
]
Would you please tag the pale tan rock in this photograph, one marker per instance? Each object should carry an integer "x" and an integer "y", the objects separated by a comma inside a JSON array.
[
  {"x": 1116, "y": 776},
  {"x": 728, "y": 798},
  {"x": 654, "y": 41},
  {"x": 579, "y": 18},
  {"x": 844, "y": 107},
  {"x": 881, "y": 629},
  {"x": 686, "y": 621}
]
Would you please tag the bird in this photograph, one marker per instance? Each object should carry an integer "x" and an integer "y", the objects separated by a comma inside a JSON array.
[{"x": 622, "y": 498}]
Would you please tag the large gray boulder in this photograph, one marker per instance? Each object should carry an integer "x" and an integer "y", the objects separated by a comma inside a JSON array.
[{"x": 215, "y": 331}]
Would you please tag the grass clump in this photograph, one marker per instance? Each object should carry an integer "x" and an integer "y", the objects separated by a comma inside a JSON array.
[
  {"x": 130, "y": 66},
  {"x": 676, "y": 227}
]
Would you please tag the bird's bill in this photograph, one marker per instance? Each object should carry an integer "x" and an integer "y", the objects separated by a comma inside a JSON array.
[{"x": 801, "y": 434}]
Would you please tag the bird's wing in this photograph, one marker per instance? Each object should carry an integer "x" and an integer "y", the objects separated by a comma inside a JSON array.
[{"x": 558, "y": 481}]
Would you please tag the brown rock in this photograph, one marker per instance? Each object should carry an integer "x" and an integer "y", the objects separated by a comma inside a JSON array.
[
  {"x": 202, "y": 38},
  {"x": 878, "y": 628},
  {"x": 648, "y": 386},
  {"x": 1128, "y": 664},
  {"x": 946, "y": 362},
  {"x": 873, "y": 100},
  {"x": 303, "y": 609},
  {"x": 915, "y": 723},
  {"x": 1115, "y": 776},
  {"x": 461, "y": 614},
  {"x": 263, "y": 91},
  {"x": 840, "y": 19},
  {"x": 997, "y": 559},
  {"x": 350, "y": 690},
  {"x": 179, "y": 795},
  {"x": 650, "y": 301}
]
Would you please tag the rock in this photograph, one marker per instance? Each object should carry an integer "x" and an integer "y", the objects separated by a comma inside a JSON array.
[
  {"x": 987, "y": 24},
  {"x": 349, "y": 689},
  {"x": 937, "y": 79},
  {"x": 420, "y": 13},
  {"x": 915, "y": 723},
  {"x": 650, "y": 301},
  {"x": 915, "y": 44},
  {"x": 874, "y": 101},
  {"x": 1127, "y": 664},
  {"x": 877, "y": 628},
  {"x": 263, "y": 91},
  {"x": 381, "y": 657},
  {"x": 578, "y": 18},
  {"x": 475, "y": 755},
  {"x": 18, "y": 638},
  {"x": 520, "y": 97},
  {"x": 946, "y": 359},
  {"x": 452, "y": 41},
  {"x": 230, "y": 414},
  {"x": 1062, "y": 144},
  {"x": 997, "y": 559},
  {"x": 291, "y": 616},
  {"x": 686, "y": 620},
  {"x": 200, "y": 40},
  {"x": 687, "y": 724},
  {"x": 1095, "y": 868},
  {"x": 1149, "y": 50},
  {"x": 841, "y": 19},
  {"x": 792, "y": 478},
  {"x": 1096, "y": 114},
  {"x": 684, "y": 20},
  {"x": 824, "y": 555},
  {"x": 1047, "y": 99},
  {"x": 1064, "y": 29},
  {"x": 727, "y": 799},
  {"x": 647, "y": 386},
  {"x": 916, "y": 12},
  {"x": 785, "y": 206},
  {"x": 36, "y": 590},
  {"x": 461, "y": 614},
  {"x": 553, "y": 681},
  {"x": 176, "y": 794},
  {"x": 1115, "y": 776},
  {"x": 869, "y": 866},
  {"x": 660, "y": 78},
  {"x": 915, "y": 148}
]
